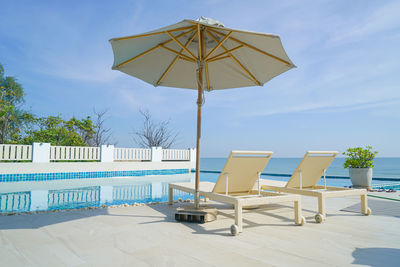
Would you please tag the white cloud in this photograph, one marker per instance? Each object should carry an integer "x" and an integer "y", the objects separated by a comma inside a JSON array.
[
  {"x": 133, "y": 95},
  {"x": 383, "y": 18}
]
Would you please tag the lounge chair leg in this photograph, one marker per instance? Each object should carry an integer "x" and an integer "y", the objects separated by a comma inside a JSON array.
[
  {"x": 297, "y": 212},
  {"x": 364, "y": 205},
  {"x": 298, "y": 218},
  {"x": 170, "y": 195},
  {"x": 321, "y": 205},
  {"x": 238, "y": 216}
]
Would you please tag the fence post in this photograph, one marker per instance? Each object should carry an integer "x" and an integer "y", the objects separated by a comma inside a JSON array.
[
  {"x": 41, "y": 152},
  {"x": 156, "y": 154},
  {"x": 107, "y": 153},
  {"x": 192, "y": 157}
]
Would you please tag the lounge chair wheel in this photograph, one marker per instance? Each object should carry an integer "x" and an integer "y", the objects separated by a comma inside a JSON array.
[
  {"x": 368, "y": 212},
  {"x": 234, "y": 229},
  {"x": 319, "y": 218}
]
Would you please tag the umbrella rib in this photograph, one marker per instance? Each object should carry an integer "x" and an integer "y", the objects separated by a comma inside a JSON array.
[
  {"x": 237, "y": 61},
  {"x": 223, "y": 53},
  {"x": 181, "y": 45},
  {"x": 176, "y": 52},
  {"x": 246, "y": 70},
  {"x": 135, "y": 57},
  {"x": 218, "y": 44},
  {"x": 174, "y": 61},
  {"x": 254, "y": 48},
  {"x": 187, "y": 59},
  {"x": 151, "y": 49},
  {"x": 216, "y": 59},
  {"x": 151, "y": 34}
]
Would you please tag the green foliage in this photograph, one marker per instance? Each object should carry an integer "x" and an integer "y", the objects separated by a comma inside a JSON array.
[
  {"x": 359, "y": 157},
  {"x": 20, "y": 127},
  {"x": 12, "y": 118},
  {"x": 59, "y": 132}
]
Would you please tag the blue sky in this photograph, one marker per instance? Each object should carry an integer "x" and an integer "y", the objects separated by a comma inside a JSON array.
[{"x": 344, "y": 92}]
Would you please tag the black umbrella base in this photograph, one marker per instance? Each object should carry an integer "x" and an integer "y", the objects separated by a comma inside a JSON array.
[{"x": 201, "y": 215}]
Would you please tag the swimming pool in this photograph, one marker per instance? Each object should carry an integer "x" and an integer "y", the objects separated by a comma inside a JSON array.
[{"x": 30, "y": 196}]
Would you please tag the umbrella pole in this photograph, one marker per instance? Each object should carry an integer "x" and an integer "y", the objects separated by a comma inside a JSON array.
[
  {"x": 204, "y": 213},
  {"x": 199, "y": 104},
  {"x": 200, "y": 65}
]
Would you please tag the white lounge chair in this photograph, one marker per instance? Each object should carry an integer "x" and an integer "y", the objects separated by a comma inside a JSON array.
[
  {"x": 306, "y": 176},
  {"x": 239, "y": 185}
]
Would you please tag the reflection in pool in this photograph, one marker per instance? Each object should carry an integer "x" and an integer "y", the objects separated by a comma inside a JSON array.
[
  {"x": 75, "y": 194},
  {"x": 81, "y": 193}
]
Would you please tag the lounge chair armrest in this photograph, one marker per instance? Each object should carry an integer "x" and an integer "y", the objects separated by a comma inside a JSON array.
[{"x": 334, "y": 153}]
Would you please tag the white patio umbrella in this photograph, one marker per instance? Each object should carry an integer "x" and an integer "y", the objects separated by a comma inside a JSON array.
[{"x": 201, "y": 55}]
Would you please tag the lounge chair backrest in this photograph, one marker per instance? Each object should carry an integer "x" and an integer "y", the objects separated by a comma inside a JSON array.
[
  {"x": 242, "y": 168},
  {"x": 312, "y": 167}
]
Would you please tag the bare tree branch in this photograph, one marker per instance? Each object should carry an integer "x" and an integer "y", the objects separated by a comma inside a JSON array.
[
  {"x": 102, "y": 135},
  {"x": 154, "y": 133}
]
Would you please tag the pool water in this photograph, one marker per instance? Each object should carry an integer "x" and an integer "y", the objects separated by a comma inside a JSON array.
[
  {"x": 81, "y": 193},
  {"x": 394, "y": 186},
  {"x": 345, "y": 182}
]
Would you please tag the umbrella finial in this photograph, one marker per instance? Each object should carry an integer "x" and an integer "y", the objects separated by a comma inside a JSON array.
[{"x": 210, "y": 21}]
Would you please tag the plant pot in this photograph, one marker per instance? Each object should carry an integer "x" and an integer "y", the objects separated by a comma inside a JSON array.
[{"x": 361, "y": 177}]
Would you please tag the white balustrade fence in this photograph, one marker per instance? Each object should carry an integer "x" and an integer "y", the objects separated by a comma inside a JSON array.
[
  {"x": 74, "y": 153},
  {"x": 176, "y": 154},
  {"x": 132, "y": 154},
  {"x": 15, "y": 152},
  {"x": 43, "y": 152}
]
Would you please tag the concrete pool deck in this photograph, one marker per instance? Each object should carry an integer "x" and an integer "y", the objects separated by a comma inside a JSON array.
[{"x": 149, "y": 236}]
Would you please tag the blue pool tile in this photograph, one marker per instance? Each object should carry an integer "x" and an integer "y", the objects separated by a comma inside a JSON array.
[{"x": 85, "y": 175}]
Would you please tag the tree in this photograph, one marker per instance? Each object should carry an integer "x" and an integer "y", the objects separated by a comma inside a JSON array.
[
  {"x": 83, "y": 127},
  {"x": 101, "y": 134},
  {"x": 59, "y": 132},
  {"x": 18, "y": 126},
  {"x": 154, "y": 133},
  {"x": 12, "y": 118}
]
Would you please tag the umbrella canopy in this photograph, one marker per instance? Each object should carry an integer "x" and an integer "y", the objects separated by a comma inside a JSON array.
[
  {"x": 202, "y": 55},
  {"x": 232, "y": 58}
]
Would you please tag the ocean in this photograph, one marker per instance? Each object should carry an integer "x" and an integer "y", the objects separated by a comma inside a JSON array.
[{"x": 384, "y": 167}]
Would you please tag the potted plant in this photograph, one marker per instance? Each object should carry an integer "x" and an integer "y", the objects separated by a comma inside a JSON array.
[{"x": 360, "y": 163}]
